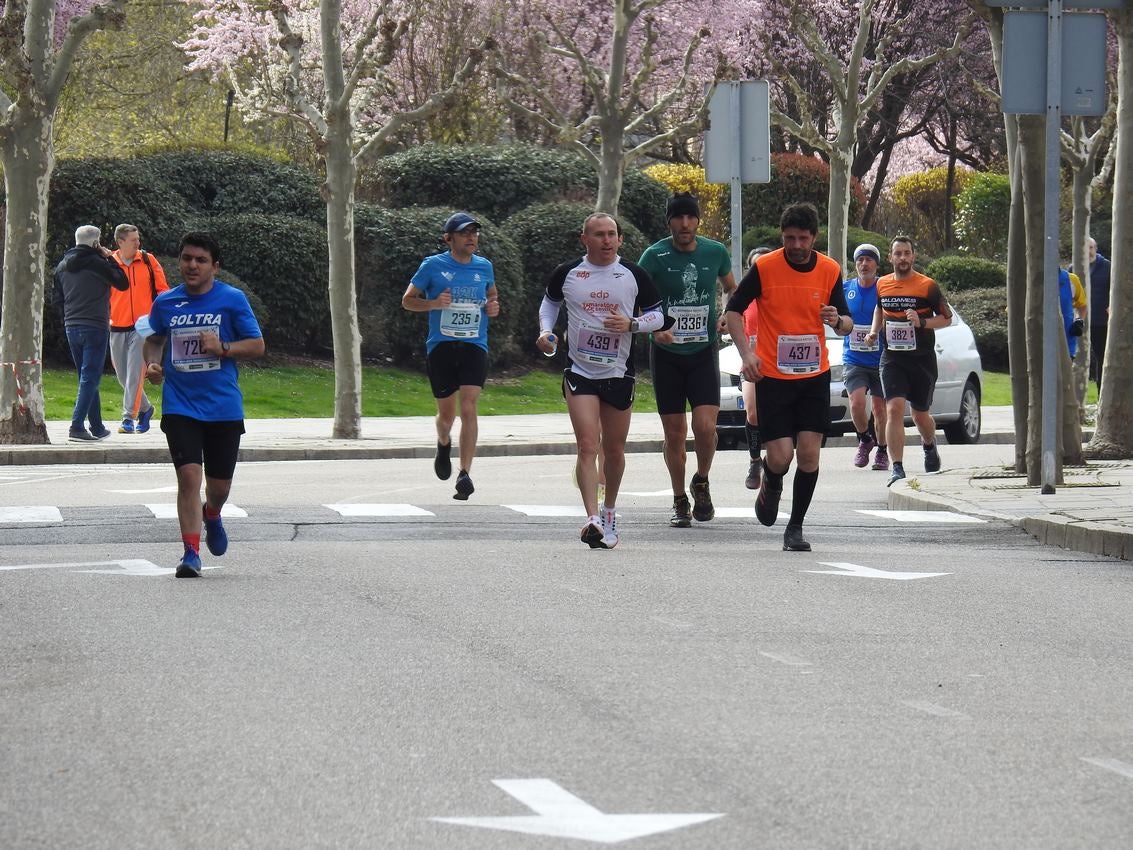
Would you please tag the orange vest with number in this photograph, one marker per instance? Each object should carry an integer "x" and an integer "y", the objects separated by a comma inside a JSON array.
[{"x": 790, "y": 304}]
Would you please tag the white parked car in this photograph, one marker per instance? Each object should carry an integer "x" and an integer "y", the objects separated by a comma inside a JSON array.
[{"x": 955, "y": 404}]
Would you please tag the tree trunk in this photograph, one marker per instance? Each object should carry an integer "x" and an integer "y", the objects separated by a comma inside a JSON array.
[
  {"x": 343, "y": 301},
  {"x": 28, "y": 160},
  {"x": 611, "y": 172},
  {"x": 838, "y": 209},
  {"x": 1113, "y": 437},
  {"x": 875, "y": 190}
]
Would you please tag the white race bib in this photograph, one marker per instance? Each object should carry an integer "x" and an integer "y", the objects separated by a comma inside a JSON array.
[
  {"x": 900, "y": 336},
  {"x": 460, "y": 321},
  {"x": 690, "y": 323},
  {"x": 857, "y": 339},
  {"x": 799, "y": 355},
  {"x": 597, "y": 345},
  {"x": 186, "y": 352}
]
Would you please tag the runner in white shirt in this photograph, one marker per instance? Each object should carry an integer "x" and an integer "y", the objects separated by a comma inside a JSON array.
[{"x": 607, "y": 300}]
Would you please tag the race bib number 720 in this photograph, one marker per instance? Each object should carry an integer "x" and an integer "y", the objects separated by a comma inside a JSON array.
[{"x": 186, "y": 351}]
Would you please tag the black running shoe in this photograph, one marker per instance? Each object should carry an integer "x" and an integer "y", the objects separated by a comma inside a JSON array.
[
  {"x": 682, "y": 513},
  {"x": 442, "y": 464},
  {"x": 931, "y": 459},
  {"x": 464, "y": 487},
  {"x": 767, "y": 504},
  {"x": 793, "y": 540},
  {"x": 702, "y": 510},
  {"x": 896, "y": 475},
  {"x": 754, "y": 473}
]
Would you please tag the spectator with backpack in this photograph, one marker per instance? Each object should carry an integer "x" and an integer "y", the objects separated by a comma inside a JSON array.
[{"x": 147, "y": 279}]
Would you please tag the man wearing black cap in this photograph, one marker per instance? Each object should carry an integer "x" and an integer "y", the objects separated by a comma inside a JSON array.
[
  {"x": 458, "y": 291},
  {"x": 684, "y": 357}
]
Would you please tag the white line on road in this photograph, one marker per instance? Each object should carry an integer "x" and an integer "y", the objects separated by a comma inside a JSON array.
[
  {"x": 172, "y": 488},
  {"x": 676, "y": 624},
  {"x": 30, "y": 513},
  {"x": 934, "y": 709},
  {"x": 548, "y": 510},
  {"x": 378, "y": 510},
  {"x": 169, "y": 511},
  {"x": 858, "y": 571},
  {"x": 924, "y": 516},
  {"x": 784, "y": 658},
  {"x": 1116, "y": 765}
]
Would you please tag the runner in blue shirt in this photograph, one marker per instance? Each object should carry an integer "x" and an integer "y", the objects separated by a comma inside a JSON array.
[
  {"x": 207, "y": 325},
  {"x": 458, "y": 291},
  {"x": 861, "y": 361}
]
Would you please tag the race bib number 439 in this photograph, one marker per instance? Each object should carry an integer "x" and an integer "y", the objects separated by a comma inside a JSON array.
[
  {"x": 598, "y": 345},
  {"x": 186, "y": 352}
]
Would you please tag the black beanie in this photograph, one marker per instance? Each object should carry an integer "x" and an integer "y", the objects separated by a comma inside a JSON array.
[{"x": 682, "y": 204}]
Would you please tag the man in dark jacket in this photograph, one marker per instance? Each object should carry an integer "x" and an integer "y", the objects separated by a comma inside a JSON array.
[
  {"x": 82, "y": 292},
  {"x": 1099, "y": 309}
]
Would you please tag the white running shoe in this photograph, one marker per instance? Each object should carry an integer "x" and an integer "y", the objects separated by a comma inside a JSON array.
[
  {"x": 609, "y": 527},
  {"x": 593, "y": 534}
]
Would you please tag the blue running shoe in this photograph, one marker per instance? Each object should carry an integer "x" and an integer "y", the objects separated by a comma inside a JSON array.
[
  {"x": 216, "y": 538},
  {"x": 127, "y": 427},
  {"x": 190, "y": 566},
  {"x": 143, "y": 420}
]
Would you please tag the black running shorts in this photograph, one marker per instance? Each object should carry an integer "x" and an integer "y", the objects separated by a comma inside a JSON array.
[
  {"x": 681, "y": 378},
  {"x": 213, "y": 444},
  {"x": 616, "y": 392},
  {"x": 456, "y": 364},
  {"x": 787, "y": 407},
  {"x": 912, "y": 378}
]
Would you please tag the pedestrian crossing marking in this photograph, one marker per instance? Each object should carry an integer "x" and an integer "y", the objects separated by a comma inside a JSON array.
[
  {"x": 169, "y": 511},
  {"x": 30, "y": 513},
  {"x": 548, "y": 510},
  {"x": 924, "y": 516},
  {"x": 363, "y": 510}
]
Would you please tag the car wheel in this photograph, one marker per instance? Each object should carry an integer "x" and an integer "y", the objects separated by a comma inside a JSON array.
[{"x": 966, "y": 429}]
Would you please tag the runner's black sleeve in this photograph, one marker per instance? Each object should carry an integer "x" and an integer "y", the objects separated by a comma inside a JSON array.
[
  {"x": 838, "y": 298},
  {"x": 749, "y": 289}
]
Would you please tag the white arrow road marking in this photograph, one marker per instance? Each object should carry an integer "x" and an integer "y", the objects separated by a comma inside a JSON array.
[
  {"x": 548, "y": 510},
  {"x": 560, "y": 814},
  {"x": 172, "y": 488},
  {"x": 31, "y": 513},
  {"x": 169, "y": 511},
  {"x": 127, "y": 567},
  {"x": 379, "y": 510},
  {"x": 858, "y": 570},
  {"x": 924, "y": 516},
  {"x": 932, "y": 708},
  {"x": 784, "y": 658},
  {"x": 1117, "y": 766}
]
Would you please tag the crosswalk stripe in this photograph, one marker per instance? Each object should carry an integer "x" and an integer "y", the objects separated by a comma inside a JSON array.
[
  {"x": 30, "y": 513},
  {"x": 924, "y": 516},
  {"x": 548, "y": 510},
  {"x": 169, "y": 511},
  {"x": 360, "y": 510}
]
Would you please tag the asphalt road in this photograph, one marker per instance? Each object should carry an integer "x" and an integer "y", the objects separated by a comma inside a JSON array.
[{"x": 344, "y": 681}]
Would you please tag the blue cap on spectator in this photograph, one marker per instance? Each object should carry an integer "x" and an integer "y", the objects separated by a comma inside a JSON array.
[
  {"x": 867, "y": 250},
  {"x": 459, "y": 221}
]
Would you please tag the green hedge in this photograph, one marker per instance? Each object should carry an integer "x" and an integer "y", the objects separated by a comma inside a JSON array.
[
  {"x": 957, "y": 273},
  {"x": 389, "y": 247},
  {"x": 985, "y": 311}
]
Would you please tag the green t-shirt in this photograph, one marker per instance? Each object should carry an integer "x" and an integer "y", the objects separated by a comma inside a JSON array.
[{"x": 687, "y": 283}]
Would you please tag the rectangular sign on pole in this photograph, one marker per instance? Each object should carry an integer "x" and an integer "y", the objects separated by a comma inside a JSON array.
[
  {"x": 1025, "y": 63},
  {"x": 753, "y": 130}
]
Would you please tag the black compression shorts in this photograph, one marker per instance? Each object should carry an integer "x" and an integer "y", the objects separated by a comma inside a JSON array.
[
  {"x": 787, "y": 407},
  {"x": 456, "y": 364},
  {"x": 213, "y": 444},
  {"x": 912, "y": 378},
  {"x": 681, "y": 378}
]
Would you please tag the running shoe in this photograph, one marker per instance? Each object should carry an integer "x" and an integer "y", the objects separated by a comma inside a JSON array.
[
  {"x": 592, "y": 533},
  {"x": 442, "y": 464},
  {"x": 754, "y": 468},
  {"x": 682, "y": 513},
  {"x": 881, "y": 460},
  {"x": 143, "y": 420},
  {"x": 931, "y": 459},
  {"x": 101, "y": 435},
  {"x": 767, "y": 504},
  {"x": 864, "y": 448},
  {"x": 464, "y": 487},
  {"x": 702, "y": 510},
  {"x": 793, "y": 539},
  {"x": 190, "y": 566},
  {"x": 609, "y": 527},
  {"x": 127, "y": 427},
  {"x": 83, "y": 436},
  {"x": 216, "y": 538},
  {"x": 897, "y": 474}
]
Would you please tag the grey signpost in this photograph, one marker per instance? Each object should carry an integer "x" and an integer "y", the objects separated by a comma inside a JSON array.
[
  {"x": 1032, "y": 40},
  {"x": 737, "y": 146}
]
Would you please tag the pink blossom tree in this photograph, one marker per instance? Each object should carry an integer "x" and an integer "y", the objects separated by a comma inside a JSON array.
[
  {"x": 329, "y": 66},
  {"x": 38, "y": 43}
]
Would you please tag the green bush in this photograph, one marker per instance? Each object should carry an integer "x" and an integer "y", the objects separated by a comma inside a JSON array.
[
  {"x": 794, "y": 178},
  {"x": 216, "y": 182},
  {"x": 389, "y": 247},
  {"x": 920, "y": 203},
  {"x": 983, "y": 209},
  {"x": 985, "y": 311},
  {"x": 958, "y": 273},
  {"x": 284, "y": 261}
]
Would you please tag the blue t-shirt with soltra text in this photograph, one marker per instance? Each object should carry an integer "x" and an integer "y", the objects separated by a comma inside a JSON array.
[
  {"x": 465, "y": 320},
  {"x": 197, "y": 384}
]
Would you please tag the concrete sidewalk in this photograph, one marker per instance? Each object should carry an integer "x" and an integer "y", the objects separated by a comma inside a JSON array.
[{"x": 1091, "y": 512}]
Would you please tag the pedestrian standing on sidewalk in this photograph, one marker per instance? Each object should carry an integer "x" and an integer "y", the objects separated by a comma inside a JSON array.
[
  {"x": 910, "y": 307},
  {"x": 458, "y": 290},
  {"x": 81, "y": 291},
  {"x": 199, "y": 329},
  {"x": 607, "y": 300},
  {"x": 684, "y": 359},
  {"x": 799, "y": 291},
  {"x": 862, "y": 360},
  {"x": 147, "y": 281}
]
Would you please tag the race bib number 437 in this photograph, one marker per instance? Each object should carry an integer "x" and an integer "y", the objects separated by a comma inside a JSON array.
[{"x": 799, "y": 355}]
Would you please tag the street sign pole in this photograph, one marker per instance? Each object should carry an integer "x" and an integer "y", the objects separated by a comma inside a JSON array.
[
  {"x": 1051, "y": 310},
  {"x": 736, "y": 182}
]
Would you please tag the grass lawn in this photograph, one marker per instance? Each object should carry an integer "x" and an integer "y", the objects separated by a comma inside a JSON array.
[
  {"x": 308, "y": 392},
  {"x": 997, "y": 390}
]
